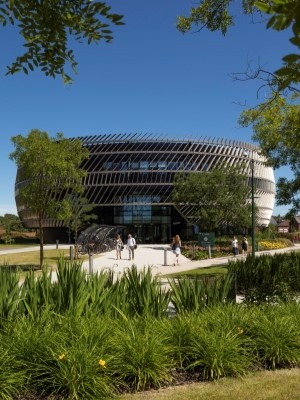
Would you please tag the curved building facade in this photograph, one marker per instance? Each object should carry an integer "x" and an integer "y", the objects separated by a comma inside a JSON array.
[{"x": 130, "y": 181}]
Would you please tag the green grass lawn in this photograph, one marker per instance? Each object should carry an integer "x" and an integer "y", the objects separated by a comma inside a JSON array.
[
  {"x": 212, "y": 271},
  {"x": 4, "y": 246},
  {"x": 31, "y": 258},
  {"x": 267, "y": 385}
]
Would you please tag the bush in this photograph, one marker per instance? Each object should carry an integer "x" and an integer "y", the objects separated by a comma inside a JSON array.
[{"x": 268, "y": 278}]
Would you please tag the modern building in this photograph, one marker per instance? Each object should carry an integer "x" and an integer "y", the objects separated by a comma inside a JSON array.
[{"x": 130, "y": 180}]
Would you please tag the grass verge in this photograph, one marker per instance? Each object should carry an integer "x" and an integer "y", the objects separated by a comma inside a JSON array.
[
  {"x": 217, "y": 270},
  {"x": 31, "y": 258},
  {"x": 276, "y": 385}
]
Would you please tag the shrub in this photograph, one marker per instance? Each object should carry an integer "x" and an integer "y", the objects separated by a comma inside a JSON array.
[
  {"x": 276, "y": 338},
  {"x": 141, "y": 355},
  {"x": 192, "y": 294},
  {"x": 267, "y": 278},
  {"x": 219, "y": 352}
]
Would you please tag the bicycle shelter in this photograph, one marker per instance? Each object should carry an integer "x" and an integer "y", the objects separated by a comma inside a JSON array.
[{"x": 98, "y": 239}]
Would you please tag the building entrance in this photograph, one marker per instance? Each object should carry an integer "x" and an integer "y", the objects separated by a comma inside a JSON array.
[{"x": 148, "y": 234}]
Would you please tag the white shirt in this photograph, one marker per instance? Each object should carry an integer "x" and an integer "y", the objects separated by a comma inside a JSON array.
[{"x": 131, "y": 242}]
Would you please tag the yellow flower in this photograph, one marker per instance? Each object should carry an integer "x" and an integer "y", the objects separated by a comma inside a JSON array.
[
  {"x": 240, "y": 330},
  {"x": 102, "y": 363},
  {"x": 62, "y": 356}
]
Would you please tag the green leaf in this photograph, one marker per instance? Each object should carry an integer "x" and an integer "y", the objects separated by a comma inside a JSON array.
[{"x": 290, "y": 58}]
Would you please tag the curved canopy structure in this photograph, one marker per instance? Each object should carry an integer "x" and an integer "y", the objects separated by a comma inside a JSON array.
[{"x": 98, "y": 239}]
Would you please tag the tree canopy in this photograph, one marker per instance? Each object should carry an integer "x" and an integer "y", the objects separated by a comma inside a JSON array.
[
  {"x": 276, "y": 128},
  {"x": 78, "y": 213},
  {"x": 48, "y": 168},
  {"x": 48, "y": 26},
  {"x": 219, "y": 197},
  {"x": 11, "y": 222},
  {"x": 276, "y": 120}
]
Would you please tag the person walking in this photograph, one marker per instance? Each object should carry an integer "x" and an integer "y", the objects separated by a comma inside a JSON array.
[
  {"x": 131, "y": 243},
  {"x": 234, "y": 246},
  {"x": 176, "y": 247},
  {"x": 119, "y": 245},
  {"x": 244, "y": 245}
]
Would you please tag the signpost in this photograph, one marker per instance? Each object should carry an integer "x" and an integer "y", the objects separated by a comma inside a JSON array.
[{"x": 206, "y": 239}]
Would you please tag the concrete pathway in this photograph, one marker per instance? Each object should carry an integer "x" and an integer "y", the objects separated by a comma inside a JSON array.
[{"x": 159, "y": 257}]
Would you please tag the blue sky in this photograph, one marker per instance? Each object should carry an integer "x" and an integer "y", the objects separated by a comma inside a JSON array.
[{"x": 150, "y": 79}]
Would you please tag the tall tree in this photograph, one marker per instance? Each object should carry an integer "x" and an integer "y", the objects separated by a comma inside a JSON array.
[
  {"x": 49, "y": 168},
  {"x": 47, "y": 27},
  {"x": 276, "y": 128},
  {"x": 217, "y": 197}
]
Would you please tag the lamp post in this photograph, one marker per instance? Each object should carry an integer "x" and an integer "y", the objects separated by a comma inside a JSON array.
[{"x": 252, "y": 204}]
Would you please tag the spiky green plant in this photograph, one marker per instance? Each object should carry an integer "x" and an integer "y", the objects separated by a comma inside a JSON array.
[
  {"x": 268, "y": 278},
  {"x": 276, "y": 336},
  {"x": 61, "y": 356},
  {"x": 219, "y": 352},
  {"x": 194, "y": 294},
  {"x": 141, "y": 354},
  {"x": 9, "y": 295},
  {"x": 178, "y": 333},
  {"x": 12, "y": 374},
  {"x": 144, "y": 295}
]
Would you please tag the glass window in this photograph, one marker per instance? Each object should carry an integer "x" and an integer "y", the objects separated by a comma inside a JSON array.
[
  {"x": 144, "y": 165},
  {"x": 153, "y": 165},
  {"x": 134, "y": 165},
  {"x": 162, "y": 165},
  {"x": 173, "y": 166},
  {"x": 107, "y": 166}
]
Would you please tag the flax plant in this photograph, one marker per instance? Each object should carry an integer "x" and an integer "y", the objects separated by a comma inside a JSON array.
[
  {"x": 35, "y": 294},
  {"x": 192, "y": 295},
  {"x": 70, "y": 294},
  {"x": 9, "y": 295},
  {"x": 268, "y": 278},
  {"x": 100, "y": 289},
  {"x": 144, "y": 295}
]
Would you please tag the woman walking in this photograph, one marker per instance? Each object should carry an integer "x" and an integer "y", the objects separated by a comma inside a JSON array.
[
  {"x": 176, "y": 247},
  {"x": 119, "y": 245}
]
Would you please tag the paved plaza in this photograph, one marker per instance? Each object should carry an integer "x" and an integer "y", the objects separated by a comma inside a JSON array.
[{"x": 159, "y": 257}]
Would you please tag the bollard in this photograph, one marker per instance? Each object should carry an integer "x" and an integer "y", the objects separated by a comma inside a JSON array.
[
  {"x": 57, "y": 244},
  {"x": 233, "y": 290},
  {"x": 209, "y": 251},
  {"x": 194, "y": 251},
  {"x": 71, "y": 253},
  {"x": 165, "y": 256},
  {"x": 91, "y": 263}
]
